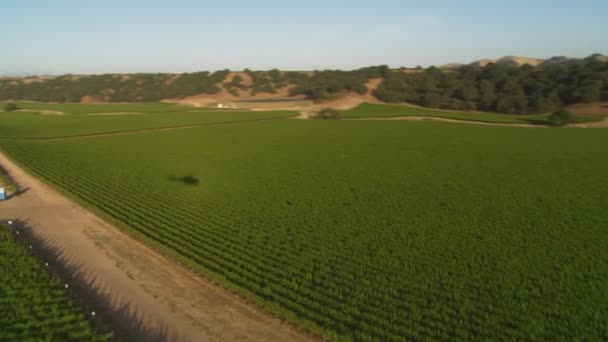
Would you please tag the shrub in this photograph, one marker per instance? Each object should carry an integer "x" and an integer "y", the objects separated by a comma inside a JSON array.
[
  {"x": 561, "y": 117},
  {"x": 9, "y": 107},
  {"x": 326, "y": 114}
]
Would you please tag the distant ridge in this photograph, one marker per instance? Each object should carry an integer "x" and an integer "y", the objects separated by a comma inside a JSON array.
[{"x": 518, "y": 61}]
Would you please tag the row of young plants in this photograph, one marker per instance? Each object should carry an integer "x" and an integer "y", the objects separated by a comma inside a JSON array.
[{"x": 34, "y": 305}]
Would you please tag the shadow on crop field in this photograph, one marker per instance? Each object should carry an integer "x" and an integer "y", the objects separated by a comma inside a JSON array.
[
  {"x": 187, "y": 180},
  {"x": 539, "y": 122},
  {"x": 112, "y": 313}
]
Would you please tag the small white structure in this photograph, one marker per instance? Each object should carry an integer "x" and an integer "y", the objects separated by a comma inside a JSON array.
[{"x": 220, "y": 105}]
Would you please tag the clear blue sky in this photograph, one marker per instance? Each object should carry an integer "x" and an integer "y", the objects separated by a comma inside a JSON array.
[{"x": 81, "y": 36}]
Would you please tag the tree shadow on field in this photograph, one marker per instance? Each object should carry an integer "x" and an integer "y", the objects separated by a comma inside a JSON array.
[
  {"x": 539, "y": 122},
  {"x": 114, "y": 313},
  {"x": 186, "y": 180}
]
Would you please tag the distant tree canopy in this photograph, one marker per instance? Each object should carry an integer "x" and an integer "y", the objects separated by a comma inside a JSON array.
[
  {"x": 322, "y": 85},
  {"x": 494, "y": 87},
  {"x": 113, "y": 88},
  {"x": 499, "y": 88}
]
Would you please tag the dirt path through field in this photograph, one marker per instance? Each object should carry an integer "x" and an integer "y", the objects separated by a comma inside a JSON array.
[
  {"x": 164, "y": 295},
  {"x": 433, "y": 118},
  {"x": 598, "y": 124}
]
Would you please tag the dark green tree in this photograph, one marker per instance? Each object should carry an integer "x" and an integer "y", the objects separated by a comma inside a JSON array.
[
  {"x": 487, "y": 95},
  {"x": 561, "y": 118},
  {"x": 10, "y": 106}
]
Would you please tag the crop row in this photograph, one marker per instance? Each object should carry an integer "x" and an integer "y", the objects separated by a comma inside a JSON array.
[
  {"x": 387, "y": 259},
  {"x": 33, "y": 304}
]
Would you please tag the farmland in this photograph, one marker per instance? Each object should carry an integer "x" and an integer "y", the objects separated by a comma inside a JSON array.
[
  {"x": 34, "y": 304},
  {"x": 78, "y": 108},
  {"x": 361, "y": 230},
  {"x": 26, "y": 125},
  {"x": 369, "y": 110}
]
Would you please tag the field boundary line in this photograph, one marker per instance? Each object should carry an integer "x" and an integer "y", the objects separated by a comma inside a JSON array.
[
  {"x": 440, "y": 119},
  {"x": 144, "y": 130}
]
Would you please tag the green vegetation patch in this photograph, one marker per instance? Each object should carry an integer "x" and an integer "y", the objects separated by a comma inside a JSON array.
[
  {"x": 25, "y": 125},
  {"x": 500, "y": 88},
  {"x": 369, "y": 110},
  {"x": 33, "y": 304},
  {"x": 368, "y": 230}
]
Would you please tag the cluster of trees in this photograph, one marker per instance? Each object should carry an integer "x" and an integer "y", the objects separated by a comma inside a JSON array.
[
  {"x": 112, "y": 88},
  {"x": 499, "y": 88},
  {"x": 263, "y": 82},
  {"x": 235, "y": 85},
  {"x": 561, "y": 117},
  {"x": 321, "y": 85},
  {"x": 327, "y": 114}
]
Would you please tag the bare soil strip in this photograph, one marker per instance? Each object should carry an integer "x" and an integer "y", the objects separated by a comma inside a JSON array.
[
  {"x": 113, "y": 113},
  {"x": 599, "y": 124},
  {"x": 160, "y": 293},
  {"x": 42, "y": 111},
  {"x": 433, "y": 118}
]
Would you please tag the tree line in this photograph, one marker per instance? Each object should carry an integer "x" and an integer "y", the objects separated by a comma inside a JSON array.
[
  {"x": 494, "y": 87},
  {"x": 500, "y": 88}
]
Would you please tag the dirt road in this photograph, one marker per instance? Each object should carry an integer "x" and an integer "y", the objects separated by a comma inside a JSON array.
[
  {"x": 598, "y": 124},
  {"x": 433, "y": 118},
  {"x": 154, "y": 297}
]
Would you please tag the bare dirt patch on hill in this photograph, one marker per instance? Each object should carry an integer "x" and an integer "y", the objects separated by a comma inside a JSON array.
[{"x": 596, "y": 108}]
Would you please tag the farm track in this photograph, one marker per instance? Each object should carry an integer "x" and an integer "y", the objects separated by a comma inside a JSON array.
[
  {"x": 434, "y": 118},
  {"x": 603, "y": 123},
  {"x": 166, "y": 298}
]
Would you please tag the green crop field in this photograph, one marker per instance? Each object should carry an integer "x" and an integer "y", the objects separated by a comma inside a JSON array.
[
  {"x": 370, "y": 110},
  {"x": 33, "y": 126},
  {"x": 33, "y": 304},
  {"x": 80, "y": 108},
  {"x": 364, "y": 230}
]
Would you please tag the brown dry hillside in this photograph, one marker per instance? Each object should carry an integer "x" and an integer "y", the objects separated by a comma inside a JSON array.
[
  {"x": 598, "y": 108},
  {"x": 241, "y": 94},
  {"x": 342, "y": 101},
  {"x": 515, "y": 61}
]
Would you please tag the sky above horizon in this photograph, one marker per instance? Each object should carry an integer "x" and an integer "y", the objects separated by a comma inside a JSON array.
[{"x": 68, "y": 36}]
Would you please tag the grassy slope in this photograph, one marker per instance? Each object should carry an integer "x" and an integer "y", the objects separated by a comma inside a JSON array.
[
  {"x": 30, "y": 125},
  {"x": 34, "y": 304},
  {"x": 368, "y": 110},
  {"x": 370, "y": 229}
]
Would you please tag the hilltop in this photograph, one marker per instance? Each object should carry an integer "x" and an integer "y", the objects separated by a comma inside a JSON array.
[{"x": 518, "y": 61}]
